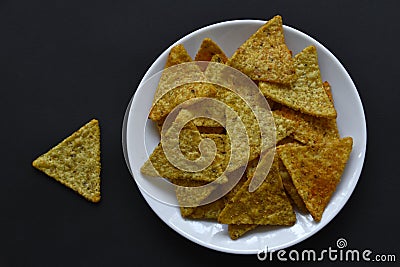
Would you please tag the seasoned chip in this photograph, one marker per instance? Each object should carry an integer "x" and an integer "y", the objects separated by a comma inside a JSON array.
[
  {"x": 206, "y": 122},
  {"x": 75, "y": 162},
  {"x": 284, "y": 127},
  {"x": 189, "y": 143},
  {"x": 316, "y": 170},
  {"x": 306, "y": 94},
  {"x": 165, "y": 98},
  {"x": 290, "y": 188},
  {"x": 177, "y": 55},
  {"x": 265, "y": 56},
  {"x": 267, "y": 205},
  {"x": 310, "y": 129},
  {"x": 208, "y": 49},
  {"x": 213, "y": 209}
]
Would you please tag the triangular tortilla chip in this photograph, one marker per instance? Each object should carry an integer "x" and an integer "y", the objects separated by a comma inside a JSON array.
[
  {"x": 306, "y": 94},
  {"x": 206, "y": 122},
  {"x": 316, "y": 170},
  {"x": 189, "y": 142},
  {"x": 213, "y": 209},
  {"x": 165, "y": 98},
  {"x": 267, "y": 205},
  {"x": 208, "y": 49},
  {"x": 177, "y": 55},
  {"x": 283, "y": 126},
  {"x": 265, "y": 56},
  {"x": 290, "y": 188},
  {"x": 75, "y": 162},
  {"x": 310, "y": 129}
]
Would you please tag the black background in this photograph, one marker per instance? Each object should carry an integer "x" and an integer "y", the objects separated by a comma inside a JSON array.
[{"x": 65, "y": 62}]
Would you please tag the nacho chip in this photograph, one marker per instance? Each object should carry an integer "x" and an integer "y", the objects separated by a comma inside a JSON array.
[
  {"x": 306, "y": 94},
  {"x": 267, "y": 205},
  {"x": 165, "y": 98},
  {"x": 75, "y": 162},
  {"x": 213, "y": 209},
  {"x": 265, "y": 56},
  {"x": 189, "y": 143},
  {"x": 208, "y": 49},
  {"x": 316, "y": 170},
  {"x": 177, "y": 55},
  {"x": 283, "y": 126},
  {"x": 206, "y": 122},
  {"x": 310, "y": 130},
  {"x": 290, "y": 188}
]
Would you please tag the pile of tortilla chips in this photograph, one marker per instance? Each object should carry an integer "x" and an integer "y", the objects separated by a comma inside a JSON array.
[{"x": 310, "y": 155}]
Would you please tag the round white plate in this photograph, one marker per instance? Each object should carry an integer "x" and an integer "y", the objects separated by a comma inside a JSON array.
[{"x": 351, "y": 122}]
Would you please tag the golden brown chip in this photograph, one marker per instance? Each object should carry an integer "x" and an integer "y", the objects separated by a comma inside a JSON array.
[
  {"x": 165, "y": 98},
  {"x": 316, "y": 170},
  {"x": 189, "y": 143},
  {"x": 267, "y": 205},
  {"x": 290, "y": 188},
  {"x": 75, "y": 162},
  {"x": 265, "y": 56},
  {"x": 213, "y": 209},
  {"x": 309, "y": 129},
  {"x": 208, "y": 49},
  {"x": 177, "y": 55},
  {"x": 306, "y": 94},
  {"x": 283, "y": 126}
]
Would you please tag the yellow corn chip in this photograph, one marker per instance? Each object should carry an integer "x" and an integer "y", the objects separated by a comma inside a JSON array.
[
  {"x": 306, "y": 94},
  {"x": 265, "y": 56},
  {"x": 316, "y": 170},
  {"x": 189, "y": 143},
  {"x": 211, "y": 210},
  {"x": 290, "y": 188},
  {"x": 75, "y": 162},
  {"x": 284, "y": 127},
  {"x": 208, "y": 49},
  {"x": 206, "y": 122},
  {"x": 165, "y": 100},
  {"x": 177, "y": 55},
  {"x": 267, "y": 205},
  {"x": 310, "y": 129}
]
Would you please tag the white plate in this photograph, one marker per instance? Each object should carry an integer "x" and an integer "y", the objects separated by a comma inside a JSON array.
[{"x": 351, "y": 122}]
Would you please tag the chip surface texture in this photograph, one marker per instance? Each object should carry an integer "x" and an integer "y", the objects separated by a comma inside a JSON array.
[{"x": 75, "y": 162}]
